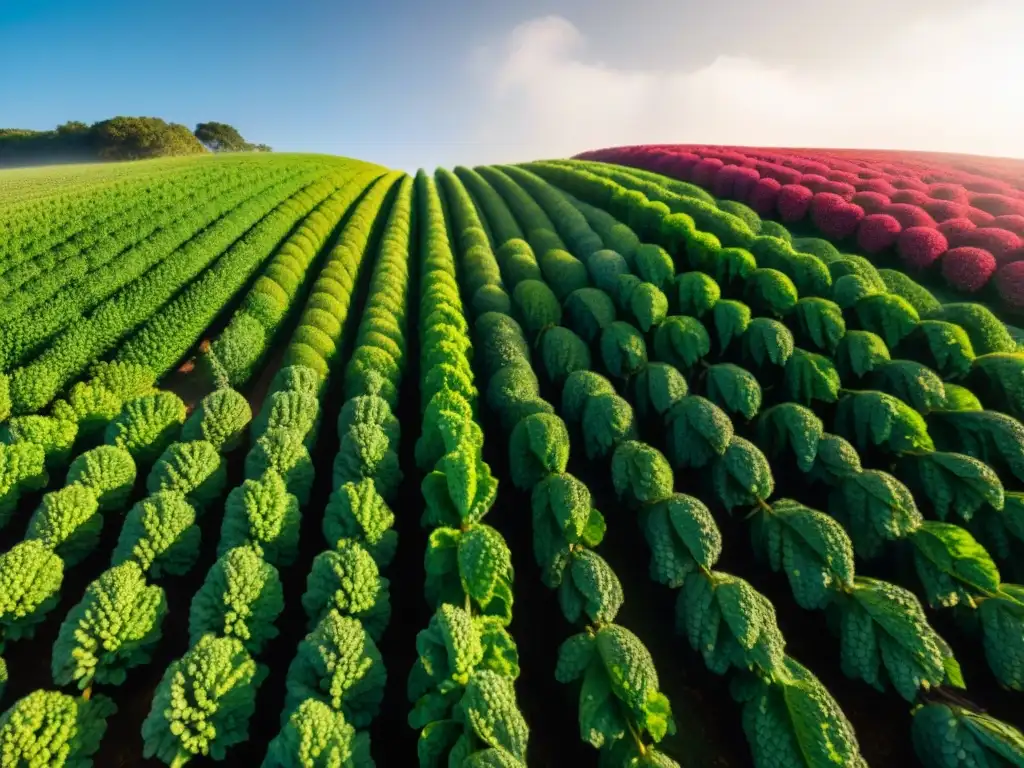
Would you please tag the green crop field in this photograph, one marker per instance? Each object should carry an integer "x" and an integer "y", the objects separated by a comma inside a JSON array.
[{"x": 660, "y": 456}]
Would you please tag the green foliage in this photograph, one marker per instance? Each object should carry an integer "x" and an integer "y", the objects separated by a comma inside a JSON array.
[
  {"x": 316, "y": 736},
  {"x": 640, "y": 474},
  {"x": 147, "y": 425},
  {"x": 193, "y": 469},
  {"x": 887, "y": 315},
  {"x": 951, "y": 564},
  {"x": 203, "y": 703},
  {"x": 730, "y": 623},
  {"x": 767, "y": 341},
  {"x": 654, "y": 265},
  {"x": 55, "y": 436},
  {"x": 656, "y": 389},
  {"x": 563, "y": 352},
  {"x": 850, "y": 289},
  {"x": 339, "y": 665},
  {"x": 734, "y": 389},
  {"x": 770, "y": 291},
  {"x": 811, "y": 377},
  {"x": 681, "y": 341},
  {"x": 698, "y": 431},
  {"x": 563, "y": 516},
  {"x": 875, "y": 418},
  {"x": 220, "y": 418},
  {"x": 820, "y": 322},
  {"x": 283, "y": 451},
  {"x": 262, "y": 514},
  {"x": 604, "y": 267},
  {"x": 619, "y": 689},
  {"x": 536, "y": 305},
  {"x": 505, "y": 345},
  {"x": 89, "y": 405},
  {"x": 107, "y": 471},
  {"x": 126, "y": 380},
  {"x": 113, "y": 628},
  {"x": 563, "y": 272},
  {"x": 998, "y": 379},
  {"x": 987, "y": 333},
  {"x": 859, "y": 353},
  {"x": 959, "y": 399},
  {"x": 874, "y": 507},
  {"x": 810, "y": 546},
  {"x": 346, "y": 579},
  {"x": 30, "y": 580},
  {"x": 648, "y": 306},
  {"x": 221, "y": 137},
  {"x": 474, "y": 564},
  {"x": 885, "y": 635},
  {"x": 953, "y": 483},
  {"x": 697, "y": 293},
  {"x": 451, "y": 650},
  {"x": 623, "y": 350},
  {"x": 580, "y": 387},
  {"x": 792, "y": 720},
  {"x": 836, "y": 460},
  {"x": 991, "y": 437},
  {"x": 22, "y": 468},
  {"x": 357, "y": 511},
  {"x": 791, "y": 427},
  {"x": 607, "y": 420},
  {"x": 160, "y": 534},
  {"x": 68, "y": 522},
  {"x": 589, "y": 311},
  {"x": 241, "y": 597},
  {"x": 948, "y": 736},
  {"x": 1002, "y": 622},
  {"x": 683, "y": 536},
  {"x": 742, "y": 476},
  {"x": 367, "y": 452},
  {"x": 296, "y": 411},
  {"x": 913, "y": 293},
  {"x": 53, "y": 729},
  {"x": 538, "y": 446}
]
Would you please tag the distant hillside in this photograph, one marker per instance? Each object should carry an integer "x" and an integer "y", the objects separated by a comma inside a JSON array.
[{"x": 119, "y": 138}]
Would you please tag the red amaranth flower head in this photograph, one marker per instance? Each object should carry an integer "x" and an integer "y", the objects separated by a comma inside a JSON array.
[
  {"x": 968, "y": 269},
  {"x": 763, "y": 196},
  {"x": 979, "y": 217},
  {"x": 955, "y": 193},
  {"x": 919, "y": 247},
  {"x": 844, "y": 190},
  {"x": 1012, "y": 222},
  {"x": 877, "y": 232},
  {"x": 704, "y": 172},
  {"x": 1010, "y": 284},
  {"x": 1001, "y": 243},
  {"x": 846, "y": 177},
  {"x": 941, "y": 210},
  {"x": 997, "y": 205},
  {"x": 724, "y": 184},
  {"x": 906, "y": 182},
  {"x": 871, "y": 202},
  {"x": 794, "y": 202},
  {"x": 780, "y": 173},
  {"x": 881, "y": 186},
  {"x": 680, "y": 164},
  {"x": 911, "y": 196},
  {"x": 909, "y": 215},
  {"x": 950, "y": 228},
  {"x": 834, "y": 217},
  {"x": 813, "y": 181},
  {"x": 745, "y": 181}
]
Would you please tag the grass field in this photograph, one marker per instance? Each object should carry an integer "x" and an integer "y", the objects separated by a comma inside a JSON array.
[{"x": 663, "y": 455}]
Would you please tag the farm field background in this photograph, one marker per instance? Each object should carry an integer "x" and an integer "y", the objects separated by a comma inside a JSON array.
[{"x": 661, "y": 455}]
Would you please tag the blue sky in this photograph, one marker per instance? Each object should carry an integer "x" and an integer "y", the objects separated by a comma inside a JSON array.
[{"x": 411, "y": 82}]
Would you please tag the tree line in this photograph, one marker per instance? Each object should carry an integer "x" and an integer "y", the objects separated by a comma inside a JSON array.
[{"x": 118, "y": 138}]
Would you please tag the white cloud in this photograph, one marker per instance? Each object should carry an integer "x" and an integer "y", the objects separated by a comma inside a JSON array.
[{"x": 949, "y": 84}]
